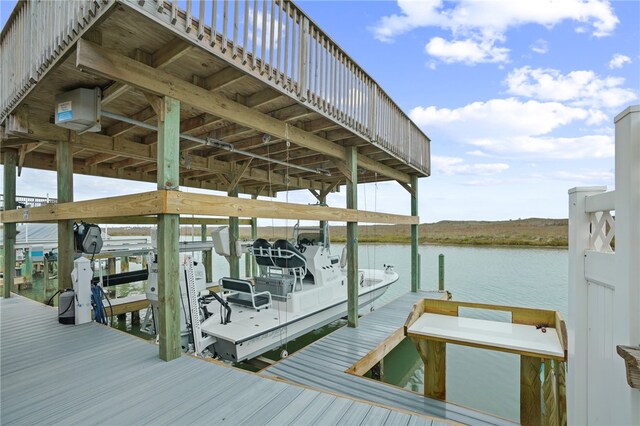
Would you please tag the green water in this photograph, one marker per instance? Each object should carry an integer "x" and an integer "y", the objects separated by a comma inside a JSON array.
[{"x": 477, "y": 378}]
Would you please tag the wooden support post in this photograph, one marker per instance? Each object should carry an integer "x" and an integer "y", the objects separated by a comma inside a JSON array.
[
  {"x": 530, "y": 391},
  {"x": 45, "y": 279},
  {"x": 111, "y": 265},
  {"x": 415, "y": 270},
  {"x": 27, "y": 267},
  {"x": 323, "y": 201},
  {"x": 254, "y": 236},
  {"x": 64, "y": 159},
  {"x": 206, "y": 255},
  {"x": 135, "y": 318},
  {"x": 124, "y": 264},
  {"x": 234, "y": 260},
  {"x": 169, "y": 232},
  {"x": 9, "y": 235},
  {"x": 441, "y": 272},
  {"x": 434, "y": 357},
  {"x": 352, "y": 240}
]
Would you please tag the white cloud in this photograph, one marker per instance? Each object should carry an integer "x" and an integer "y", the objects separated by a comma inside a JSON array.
[
  {"x": 498, "y": 118},
  {"x": 584, "y": 176},
  {"x": 618, "y": 61},
  {"x": 577, "y": 88},
  {"x": 561, "y": 148},
  {"x": 514, "y": 129},
  {"x": 476, "y": 26},
  {"x": 468, "y": 51},
  {"x": 456, "y": 166},
  {"x": 540, "y": 46}
]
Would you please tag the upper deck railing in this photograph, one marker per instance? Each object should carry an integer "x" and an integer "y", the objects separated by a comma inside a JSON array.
[
  {"x": 35, "y": 37},
  {"x": 272, "y": 40}
]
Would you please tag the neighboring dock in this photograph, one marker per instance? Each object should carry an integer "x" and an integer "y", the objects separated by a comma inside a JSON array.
[
  {"x": 322, "y": 365},
  {"x": 91, "y": 374}
]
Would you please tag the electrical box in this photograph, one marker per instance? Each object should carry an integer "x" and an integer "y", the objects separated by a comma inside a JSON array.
[
  {"x": 37, "y": 253},
  {"x": 79, "y": 110}
]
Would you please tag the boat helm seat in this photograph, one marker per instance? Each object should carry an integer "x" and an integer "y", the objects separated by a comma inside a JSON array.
[
  {"x": 296, "y": 260},
  {"x": 261, "y": 252}
]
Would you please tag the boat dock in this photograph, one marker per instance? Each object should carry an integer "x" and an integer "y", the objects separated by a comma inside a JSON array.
[
  {"x": 323, "y": 365},
  {"x": 91, "y": 374}
]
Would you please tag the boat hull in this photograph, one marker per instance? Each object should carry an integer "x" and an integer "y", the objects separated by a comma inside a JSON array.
[{"x": 251, "y": 347}]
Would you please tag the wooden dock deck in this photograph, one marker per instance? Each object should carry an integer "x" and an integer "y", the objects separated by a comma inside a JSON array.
[
  {"x": 323, "y": 364},
  {"x": 92, "y": 374}
]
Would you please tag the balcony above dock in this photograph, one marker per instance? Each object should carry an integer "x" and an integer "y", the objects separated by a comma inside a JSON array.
[{"x": 276, "y": 99}]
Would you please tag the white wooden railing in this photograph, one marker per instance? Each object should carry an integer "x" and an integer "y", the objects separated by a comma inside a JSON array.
[
  {"x": 273, "y": 40},
  {"x": 604, "y": 287},
  {"x": 35, "y": 37}
]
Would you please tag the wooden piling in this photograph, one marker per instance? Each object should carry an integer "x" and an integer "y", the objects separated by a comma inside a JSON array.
[
  {"x": 9, "y": 234},
  {"x": 206, "y": 254},
  {"x": 168, "y": 230},
  {"x": 415, "y": 262},
  {"x": 64, "y": 160},
  {"x": 234, "y": 260},
  {"x": 352, "y": 239},
  {"x": 441, "y": 272}
]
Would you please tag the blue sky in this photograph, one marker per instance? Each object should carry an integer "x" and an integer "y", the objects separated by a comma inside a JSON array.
[{"x": 518, "y": 98}]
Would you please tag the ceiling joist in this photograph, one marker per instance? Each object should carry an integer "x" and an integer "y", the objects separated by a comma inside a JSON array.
[{"x": 90, "y": 57}]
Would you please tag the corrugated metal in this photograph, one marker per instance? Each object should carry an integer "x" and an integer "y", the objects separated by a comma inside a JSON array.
[
  {"x": 322, "y": 365},
  {"x": 91, "y": 374}
]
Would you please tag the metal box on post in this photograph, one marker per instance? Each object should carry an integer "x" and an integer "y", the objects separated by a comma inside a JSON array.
[{"x": 79, "y": 110}]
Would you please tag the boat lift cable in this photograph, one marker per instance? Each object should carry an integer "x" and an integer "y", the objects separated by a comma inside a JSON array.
[{"x": 216, "y": 143}]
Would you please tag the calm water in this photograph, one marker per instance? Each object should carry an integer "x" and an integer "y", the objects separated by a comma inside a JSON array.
[{"x": 477, "y": 378}]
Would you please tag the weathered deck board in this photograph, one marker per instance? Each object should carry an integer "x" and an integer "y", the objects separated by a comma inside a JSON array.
[
  {"x": 333, "y": 354},
  {"x": 91, "y": 374}
]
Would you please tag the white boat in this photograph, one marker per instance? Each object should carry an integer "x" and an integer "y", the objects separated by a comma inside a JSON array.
[{"x": 300, "y": 287}]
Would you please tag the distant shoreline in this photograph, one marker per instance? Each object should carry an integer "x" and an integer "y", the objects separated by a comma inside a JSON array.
[{"x": 534, "y": 232}]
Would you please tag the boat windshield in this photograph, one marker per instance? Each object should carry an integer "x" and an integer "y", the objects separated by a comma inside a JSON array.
[{"x": 312, "y": 235}]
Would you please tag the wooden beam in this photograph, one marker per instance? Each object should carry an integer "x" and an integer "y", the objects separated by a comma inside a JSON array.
[
  {"x": 174, "y": 202},
  {"x": 124, "y": 147},
  {"x": 10, "y": 160},
  {"x": 152, "y": 220},
  {"x": 409, "y": 188},
  {"x": 329, "y": 189},
  {"x": 23, "y": 151},
  {"x": 129, "y": 162},
  {"x": 223, "y": 78},
  {"x": 315, "y": 193},
  {"x": 109, "y": 64},
  {"x": 352, "y": 240},
  {"x": 99, "y": 158},
  {"x": 128, "y": 205},
  {"x": 64, "y": 160},
  {"x": 169, "y": 53},
  {"x": 169, "y": 232},
  {"x": 234, "y": 183},
  {"x": 161, "y": 58},
  {"x": 42, "y": 161},
  {"x": 344, "y": 169}
]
